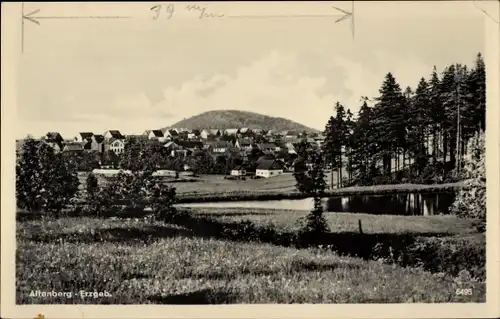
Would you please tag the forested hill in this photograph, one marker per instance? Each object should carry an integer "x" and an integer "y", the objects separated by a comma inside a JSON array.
[{"x": 228, "y": 119}]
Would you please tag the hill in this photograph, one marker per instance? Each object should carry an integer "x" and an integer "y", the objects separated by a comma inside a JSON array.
[{"x": 227, "y": 119}]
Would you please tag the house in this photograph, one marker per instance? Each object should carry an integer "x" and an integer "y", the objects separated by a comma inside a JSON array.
[
  {"x": 245, "y": 132},
  {"x": 220, "y": 147},
  {"x": 231, "y": 131},
  {"x": 238, "y": 171},
  {"x": 215, "y": 132},
  {"x": 53, "y": 136},
  {"x": 116, "y": 145},
  {"x": 155, "y": 134},
  {"x": 243, "y": 144},
  {"x": 291, "y": 148},
  {"x": 97, "y": 143},
  {"x": 170, "y": 134},
  {"x": 291, "y": 134},
  {"x": 268, "y": 168},
  {"x": 204, "y": 134},
  {"x": 83, "y": 137},
  {"x": 55, "y": 145},
  {"x": 74, "y": 147},
  {"x": 115, "y": 134},
  {"x": 175, "y": 149},
  {"x": 268, "y": 147}
]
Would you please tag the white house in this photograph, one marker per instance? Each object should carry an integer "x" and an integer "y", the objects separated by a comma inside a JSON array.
[
  {"x": 83, "y": 137},
  {"x": 155, "y": 134},
  {"x": 231, "y": 131},
  {"x": 116, "y": 145},
  {"x": 269, "y": 168},
  {"x": 238, "y": 171},
  {"x": 113, "y": 134}
]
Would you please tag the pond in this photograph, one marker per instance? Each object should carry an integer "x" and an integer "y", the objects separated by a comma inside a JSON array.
[{"x": 397, "y": 204}]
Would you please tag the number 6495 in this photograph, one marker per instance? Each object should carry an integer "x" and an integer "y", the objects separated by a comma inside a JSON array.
[{"x": 463, "y": 292}]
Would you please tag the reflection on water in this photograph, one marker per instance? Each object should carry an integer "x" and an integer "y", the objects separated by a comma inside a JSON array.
[{"x": 397, "y": 204}]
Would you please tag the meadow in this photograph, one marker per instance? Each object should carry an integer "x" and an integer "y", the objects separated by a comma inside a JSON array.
[{"x": 212, "y": 256}]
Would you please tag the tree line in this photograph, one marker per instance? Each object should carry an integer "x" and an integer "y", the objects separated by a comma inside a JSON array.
[{"x": 412, "y": 135}]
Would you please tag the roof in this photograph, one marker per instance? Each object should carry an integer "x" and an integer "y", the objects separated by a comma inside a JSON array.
[
  {"x": 238, "y": 168},
  {"x": 157, "y": 133},
  {"x": 214, "y": 131},
  {"x": 115, "y": 134},
  {"x": 98, "y": 138},
  {"x": 73, "y": 147},
  {"x": 171, "y": 145},
  {"x": 86, "y": 135},
  {"x": 231, "y": 130},
  {"x": 245, "y": 130},
  {"x": 269, "y": 164},
  {"x": 53, "y": 135}
]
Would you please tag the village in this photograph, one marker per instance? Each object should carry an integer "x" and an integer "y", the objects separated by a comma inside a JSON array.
[{"x": 269, "y": 152}]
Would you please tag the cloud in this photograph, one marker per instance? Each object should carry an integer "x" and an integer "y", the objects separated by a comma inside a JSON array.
[{"x": 279, "y": 83}]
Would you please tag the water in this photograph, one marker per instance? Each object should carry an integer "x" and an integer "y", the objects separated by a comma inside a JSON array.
[{"x": 398, "y": 204}]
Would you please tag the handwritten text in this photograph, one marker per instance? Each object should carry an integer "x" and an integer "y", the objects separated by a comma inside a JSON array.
[{"x": 168, "y": 11}]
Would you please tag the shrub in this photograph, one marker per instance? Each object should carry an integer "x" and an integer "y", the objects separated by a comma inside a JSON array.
[
  {"x": 45, "y": 180},
  {"x": 162, "y": 201},
  {"x": 470, "y": 201}
]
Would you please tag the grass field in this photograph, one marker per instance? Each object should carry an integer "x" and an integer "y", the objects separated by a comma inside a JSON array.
[{"x": 139, "y": 260}]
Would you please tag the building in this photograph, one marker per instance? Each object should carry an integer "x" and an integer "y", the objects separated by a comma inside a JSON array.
[
  {"x": 73, "y": 147},
  {"x": 231, "y": 131},
  {"x": 155, "y": 134},
  {"x": 115, "y": 134},
  {"x": 243, "y": 144},
  {"x": 83, "y": 137},
  {"x": 268, "y": 147},
  {"x": 220, "y": 147},
  {"x": 116, "y": 145},
  {"x": 238, "y": 171},
  {"x": 269, "y": 168},
  {"x": 97, "y": 143},
  {"x": 170, "y": 134}
]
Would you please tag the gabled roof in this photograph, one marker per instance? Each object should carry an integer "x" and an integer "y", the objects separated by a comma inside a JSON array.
[
  {"x": 156, "y": 133},
  {"x": 115, "y": 134},
  {"x": 86, "y": 135},
  {"x": 214, "y": 131},
  {"x": 98, "y": 138},
  {"x": 269, "y": 164},
  {"x": 73, "y": 147},
  {"x": 231, "y": 131}
]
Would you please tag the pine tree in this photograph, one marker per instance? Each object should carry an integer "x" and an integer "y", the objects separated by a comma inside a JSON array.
[
  {"x": 389, "y": 119},
  {"x": 316, "y": 222}
]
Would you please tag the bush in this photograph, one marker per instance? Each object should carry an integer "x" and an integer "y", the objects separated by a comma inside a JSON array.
[
  {"x": 470, "y": 201},
  {"x": 45, "y": 180},
  {"x": 162, "y": 201}
]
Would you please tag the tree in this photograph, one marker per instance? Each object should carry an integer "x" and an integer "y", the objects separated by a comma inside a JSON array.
[
  {"x": 470, "y": 201},
  {"x": 45, "y": 180},
  {"x": 315, "y": 187},
  {"x": 389, "y": 121}
]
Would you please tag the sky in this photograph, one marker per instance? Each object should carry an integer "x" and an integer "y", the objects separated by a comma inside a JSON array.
[{"x": 143, "y": 73}]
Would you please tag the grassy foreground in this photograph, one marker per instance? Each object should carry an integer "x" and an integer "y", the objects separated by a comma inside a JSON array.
[{"x": 140, "y": 261}]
